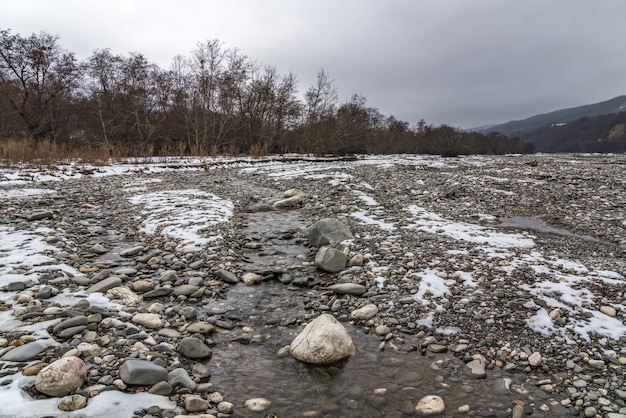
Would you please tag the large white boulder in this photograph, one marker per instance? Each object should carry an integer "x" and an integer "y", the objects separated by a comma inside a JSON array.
[{"x": 323, "y": 341}]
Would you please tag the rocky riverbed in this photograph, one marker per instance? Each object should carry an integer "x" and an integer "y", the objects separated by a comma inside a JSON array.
[{"x": 486, "y": 286}]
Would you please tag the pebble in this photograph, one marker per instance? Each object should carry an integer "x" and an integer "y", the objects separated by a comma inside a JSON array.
[
  {"x": 193, "y": 348},
  {"x": 62, "y": 376},
  {"x": 430, "y": 405}
]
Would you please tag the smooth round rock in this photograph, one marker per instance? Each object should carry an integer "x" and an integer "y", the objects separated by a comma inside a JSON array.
[
  {"x": 430, "y": 405},
  {"x": 193, "y": 348},
  {"x": 61, "y": 377}
]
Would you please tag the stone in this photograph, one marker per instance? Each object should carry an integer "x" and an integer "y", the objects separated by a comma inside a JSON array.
[
  {"x": 518, "y": 411},
  {"x": 364, "y": 313},
  {"x": 193, "y": 348},
  {"x": 168, "y": 276},
  {"x": 257, "y": 404},
  {"x": 200, "y": 327},
  {"x": 125, "y": 271},
  {"x": 476, "y": 369},
  {"x": 227, "y": 276},
  {"x": 330, "y": 259},
  {"x": 430, "y": 405},
  {"x": 185, "y": 290},
  {"x": 38, "y": 216},
  {"x": 328, "y": 231},
  {"x": 194, "y": 403},
  {"x": 161, "y": 388},
  {"x": 24, "y": 352},
  {"x": 180, "y": 377},
  {"x": 70, "y": 323},
  {"x": 158, "y": 292},
  {"x": 382, "y": 330},
  {"x": 252, "y": 278},
  {"x": 225, "y": 407},
  {"x": 105, "y": 284},
  {"x": 142, "y": 372},
  {"x": 534, "y": 359},
  {"x": 127, "y": 296},
  {"x": 148, "y": 320},
  {"x": 348, "y": 289},
  {"x": 292, "y": 198},
  {"x": 72, "y": 403},
  {"x": 129, "y": 252},
  {"x": 323, "y": 341},
  {"x": 143, "y": 286},
  {"x": 98, "y": 249},
  {"x": 201, "y": 371},
  {"x": 168, "y": 333},
  {"x": 62, "y": 376},
  {"x": 33, "y": 369},
  {"x": 356, "y": 261},
  {"x": 608, "y": 310}
]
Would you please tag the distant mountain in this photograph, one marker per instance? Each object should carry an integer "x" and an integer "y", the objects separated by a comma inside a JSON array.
[{"x": 521, "y": 128}]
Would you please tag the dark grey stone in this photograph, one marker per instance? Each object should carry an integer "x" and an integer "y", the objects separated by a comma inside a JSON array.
[{"x": 142, "y": 372}]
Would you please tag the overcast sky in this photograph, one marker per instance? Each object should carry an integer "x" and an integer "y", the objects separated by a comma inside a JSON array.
[{"x": 462, "y": 62}]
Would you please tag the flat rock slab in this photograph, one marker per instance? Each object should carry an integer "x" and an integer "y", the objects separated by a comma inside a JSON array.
[
  {"x": 24, "y": 352},
  {"x": 105, "y": 284}
]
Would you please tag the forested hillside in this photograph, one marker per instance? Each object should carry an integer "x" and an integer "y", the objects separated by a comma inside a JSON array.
[
  {"x": 604, "y": 133},
  {"x": 216, "y": 100}
]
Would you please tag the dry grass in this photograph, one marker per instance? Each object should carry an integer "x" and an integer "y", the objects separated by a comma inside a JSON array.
[{"x": 15, "y": 150}]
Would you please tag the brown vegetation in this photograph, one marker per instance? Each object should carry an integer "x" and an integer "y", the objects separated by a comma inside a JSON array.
[{"x": 216, "y": 101}]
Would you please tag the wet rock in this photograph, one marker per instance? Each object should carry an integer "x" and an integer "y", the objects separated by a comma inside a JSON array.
[
  {"x": 252, "y": 278},
  {"x": 227, "y": 276},
  {"x": 24, "y": 352},
  {"x": 348, "y": 289},
  {"x": 430, "y": 405},
  {"x": 257, "y": 404},
  {"x": 193, "y": 348},
  {"x": 70, "y": 323},
  {"x": 330, "y": 259},
  {"x": 105, "y": 284},
  {"x": 141, "y": 372},
  {"x": 323, "y": 341},
  {"x": 148, "y": 320},
  {"x": 180, "y": 377},
  {"x": 62, "y": 376},
  {"x": 476, "y": 369},
  {"x": 72, "y": 403},
  {"x": 329, "y": 232},
  {"x": 225, "y": 407},
  {"x": 194, "y": 403}
]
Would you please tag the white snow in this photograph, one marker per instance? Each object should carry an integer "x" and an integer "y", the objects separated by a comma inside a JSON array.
[{"x": 183, "y": 215}]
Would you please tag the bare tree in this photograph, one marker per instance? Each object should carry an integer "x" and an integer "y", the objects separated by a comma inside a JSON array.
[{"x": 37, "y": 76}]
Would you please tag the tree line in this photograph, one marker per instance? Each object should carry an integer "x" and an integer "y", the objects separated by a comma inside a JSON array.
[{"x": 216, "y": 100}]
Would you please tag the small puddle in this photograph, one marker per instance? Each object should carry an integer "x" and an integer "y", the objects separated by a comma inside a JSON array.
[{"x": 541, "y": 226}]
